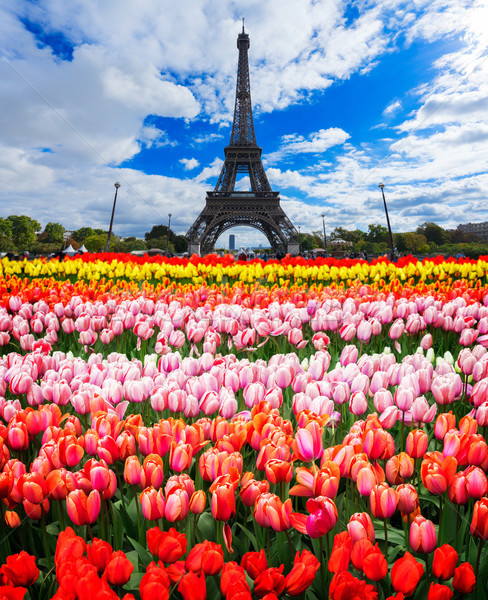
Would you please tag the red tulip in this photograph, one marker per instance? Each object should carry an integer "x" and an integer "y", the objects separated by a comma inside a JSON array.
[
  {"x": 118, "y": 569},
  {"x": 270, "y": 511},
  {"x": 405, "y": 574},
  {"x": 254, "y": 563},
  {"x": 445, "y": 559},
  {"x": 169, "y": 546},
  {"x": 341, "y": 552},
  {"x": 207, "y": 557},
  {"x": 438, "y": 591},
  {"x": 99, "y": 553},
  {"x": 223, "y": 502},
  {"x": 344, "y": 586},
  {"x": 375, "y": 566},
  {"x": 464, "y": 580},
  {"x": 436, "y": 471},
  {"x": 302, "y": 573},
  {"x": 68, "y": 545},
  {"x": 193, "y": 587},
  {"x": 231, "y": 574},
  {"x": 269, "y": 581},
  {"x": 155, "y": 583},
  {"x": 479, "y": 521},
  {"x": 20, "y": 569}
]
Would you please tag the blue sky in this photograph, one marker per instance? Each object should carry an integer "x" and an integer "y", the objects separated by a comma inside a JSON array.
[{"x": 345, "y": 95}]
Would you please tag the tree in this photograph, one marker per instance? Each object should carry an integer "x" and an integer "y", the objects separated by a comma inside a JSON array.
[
  {"x": 416, "y": 242},
  {"x": 130, "y": 244},
  {"x": 158, "y": 231},
  {"x": 377, "y": 233},
  {"x": 339, "y": 233},
  {"x": 97, "y": 243},
  {"x": 24, "y": 231},
  {"x": 433, "y": 233},
  {"x": 53, "y": 233},
  {"x": 181, "y": 244},
  {"x": 84, "y": 232},
  {"x": 6, "y": 242},
  {"x": 399, "y": 240}
]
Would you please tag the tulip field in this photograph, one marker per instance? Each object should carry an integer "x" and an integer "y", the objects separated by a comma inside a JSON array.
[{"x": 205, "y": 428}]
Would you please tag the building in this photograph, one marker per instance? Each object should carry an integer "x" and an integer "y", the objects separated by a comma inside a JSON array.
[
  {"x": 480, "y": 230},
  {"x": 232, "y": 242}
]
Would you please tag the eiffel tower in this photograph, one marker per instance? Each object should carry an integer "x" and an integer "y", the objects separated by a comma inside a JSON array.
[{"x": 225, "y": 207}]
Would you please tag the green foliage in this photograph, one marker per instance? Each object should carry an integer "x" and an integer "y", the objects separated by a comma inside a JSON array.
[
  {"x": 377, "y": 234},
  {"x": 160, "y": 243},
  {"x": 23, "y": 231},
  {"x": 5, "y": 228},
  {"x": 180, "y": 244},
  {"x": 433, "y": 233},
  {"x": 416, "y": 243},
  {"x": 45, "y": 248},
  {"x": 97, "y": 243},
  {"x": 157, "y": 232},
  {"x": 339, "y": 233},
  {"x": 130, "y": 244},
  {"x": 81, "y": 234},
  {"x": 53, "y": 233}
]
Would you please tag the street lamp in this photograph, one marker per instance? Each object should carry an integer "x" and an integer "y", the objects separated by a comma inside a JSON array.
[
  {"x": 392, "y": 256},
  {"x": 299, "y": 241},
  {"x": 116, "y": 185},
  {"x": 167, "y": 236},
  {"x": 325, "y": 237}
]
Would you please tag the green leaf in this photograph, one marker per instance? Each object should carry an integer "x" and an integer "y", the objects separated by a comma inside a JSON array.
[
  {"x": 250, "y": 535},
  {"x": 206, "y": 527},
  {"x": 142, "y": 553}
]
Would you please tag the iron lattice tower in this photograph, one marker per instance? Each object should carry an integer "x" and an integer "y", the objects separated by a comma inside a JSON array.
[{"x": 260, "y": 207}]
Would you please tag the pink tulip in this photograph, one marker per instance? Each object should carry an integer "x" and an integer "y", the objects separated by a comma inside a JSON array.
[
  {"x": 423, "y": 537},
  {"x": 308, "y": 443},
  {"x": 348, "y": 332},
  {"x": 396, "y": 330},
  {"x": 421, "y": 411},
  {"x": 468, "y": 337},
  {"x": 358, "y": 403},
  {"x": 341, "y": 392},
  {"x": 349, "y": 355},
  {"x": 444, "y": 390},
  {"x": 404, "y": 398}
]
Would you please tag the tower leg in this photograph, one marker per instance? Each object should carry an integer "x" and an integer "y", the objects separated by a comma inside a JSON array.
[{"x": 193, "y": 248}]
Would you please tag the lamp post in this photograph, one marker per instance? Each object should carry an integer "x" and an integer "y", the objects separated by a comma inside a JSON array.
[
  {"x": 392, "y": 256},
  {"x": 167, "y": 236},
  {"x": 299, "y": 241},
  {"x": 116, "y": 185},
  {"x": 325, "y": 237}
]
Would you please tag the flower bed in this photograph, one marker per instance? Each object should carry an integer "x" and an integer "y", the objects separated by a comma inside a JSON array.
[{"x": 210, "y": 428}]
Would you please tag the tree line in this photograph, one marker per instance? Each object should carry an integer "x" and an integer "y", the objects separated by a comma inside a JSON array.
[
  {"x": 20, "y": 234},
  {"x": 428, "y": 238}
]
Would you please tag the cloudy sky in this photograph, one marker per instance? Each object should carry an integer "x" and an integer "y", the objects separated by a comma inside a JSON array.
[{"x": 345, "y": 95}]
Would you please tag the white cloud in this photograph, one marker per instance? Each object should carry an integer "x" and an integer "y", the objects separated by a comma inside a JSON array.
[
  {"x": 316, "y": 143},
  {"x": 393, "y": 107},
  {"x": 189, "y": 163}
]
